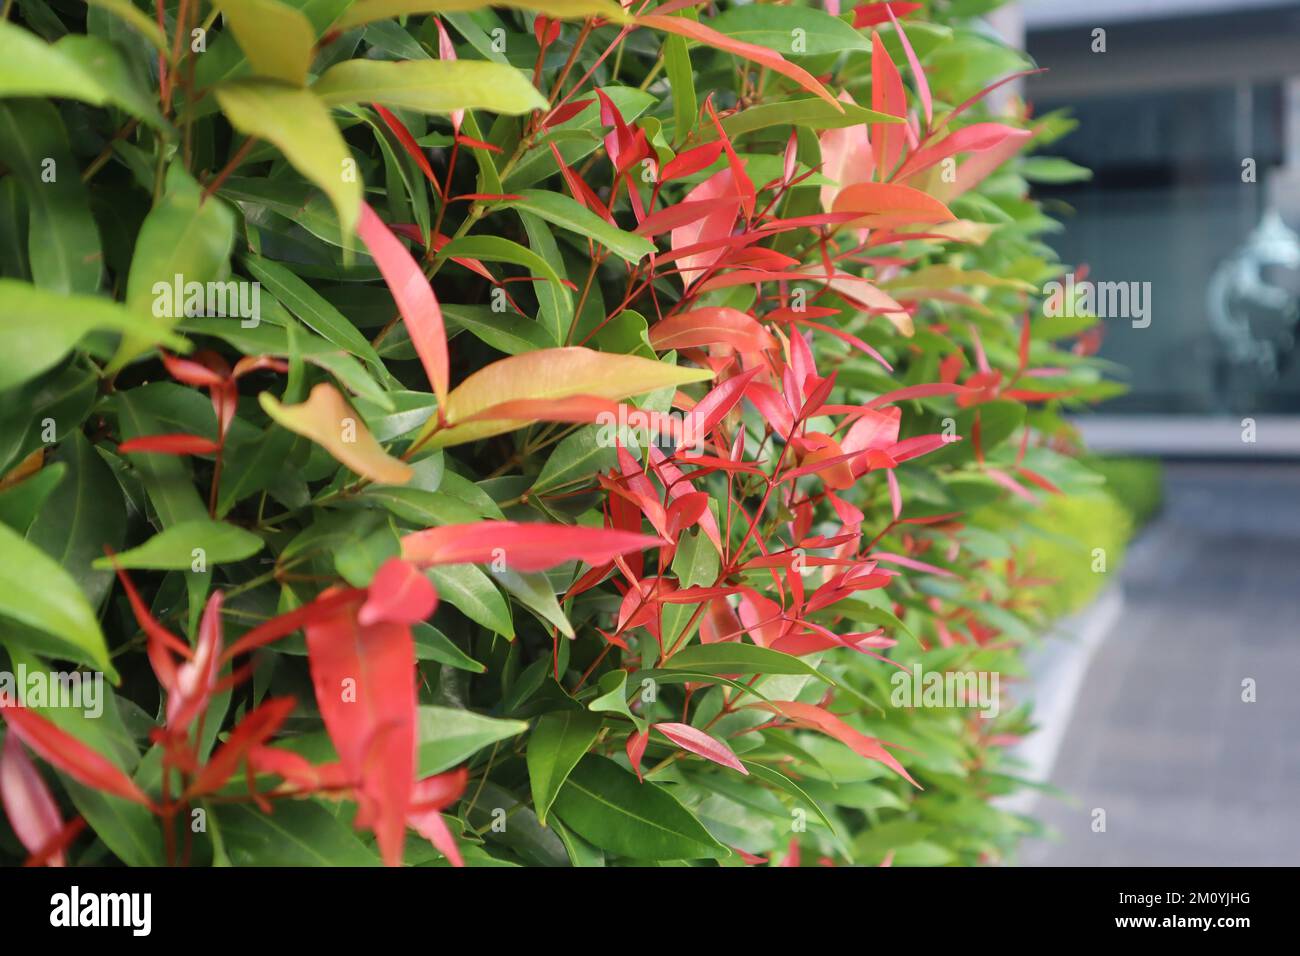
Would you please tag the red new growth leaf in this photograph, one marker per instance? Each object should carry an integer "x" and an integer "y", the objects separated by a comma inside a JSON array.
[
  {"x": 636, "y": 743},
  {"x": 28, "y": 803},
  {"x": 872, "y": 14},
  {"x": 414, "y": 297},
  {"x": 64, "y": 751},
  {"x": 252, "y": 732},
  {"x": 698, "y": 742},
  {"x": 398, "y": 593},
  {"x": 718, "y": 325},
  {"x": 890, "y": 204},
  {"x": 408, "y": 143},
  {"x": 524, "y": 547},
  {"x": 762, "y": 55},
  {"x": 171, "y": 444},
  {"x": 887, "y": 96},
  {"x": 815, "y": 718},
  {"x": 430, "y": 796},
  {"x": 364, "y": 678}
]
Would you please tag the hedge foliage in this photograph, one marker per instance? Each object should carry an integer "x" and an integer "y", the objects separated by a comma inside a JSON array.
[{"x": 535, "y": 434}]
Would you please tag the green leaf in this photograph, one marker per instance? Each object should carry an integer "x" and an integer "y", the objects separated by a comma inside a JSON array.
[
  {"x": 184, "y": 237},
  {"x": 115, "y": 76},
  {"x": 448, "y": 736},
  {"x": 295, "y": 833},
  {"x": 567, "y": 213},
  {"x": 511, "y": 334},
  {"x": 466, "y": 588},
  {"x": 38, "y": 327},
  {"x": 790, "y": 31},
  {"x": 730, "y": 657},
  {"x": 173, "y": 548},
  {"x": 137, "y": 19},
  {"x": 553, "y": 292},
  {"x": 277, "y": 39},
  {"x": 31, "y": 67},
  {"x": 432, "y": 645},
  {"x": 606, "y": 806},
  {"x": 268, "y": 339},
  {"x": 319, "y": 315},
  {"x": 371, "y": 10},
  {"x": 686, "y": 110},
  {"x": 534, "y": 591},
  {"x": 555, "y": 746},
  {"x": 299, "y": 125},
  {"x": 810, "y": 111},
  {"x": 37, "y": 592},
  {"x": 166, "y": 478},
  {"x": 612, "y": 698},
  {"x": 83, "y": 515},
  {"x": 557, "y": 321},
  {"x": 63, "y": 240},
  {"x": 575, "y": 459},
  {"x": 429, "y": 86},
  {"x": 21, "y": 503}
]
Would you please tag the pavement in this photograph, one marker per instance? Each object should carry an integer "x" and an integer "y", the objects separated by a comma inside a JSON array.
[{"x": 1188, "y": 773}]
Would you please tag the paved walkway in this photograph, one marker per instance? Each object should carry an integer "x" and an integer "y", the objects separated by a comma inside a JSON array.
[{"x": 1160, "y": 739}]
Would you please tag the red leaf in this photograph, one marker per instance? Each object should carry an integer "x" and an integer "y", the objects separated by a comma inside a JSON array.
[
  {"x": 191, "y": 372},
  {"x": 398, "y": 593},
  {"x": 815, "y": 718},
  {"x": 428, "y": 797},
  {"x": 707, "y": 35},
  {"x": 698, "y": 742},
  {"x": 254, "y": 730},
  {"x": 872, "y": 14},
  {"x": 408, "y": 143},
  {"x": 170, "y": 444},
  {"x": 414, "y": 297},
  {"x": 887, "y": 96},
  {"x": 60, "y": 749},
  {"x": 196, "y": 679},
  {"x": 28, "y": 803},
  {"x": 364, "y": 678},
  {"x": 682, "y": 214},
  {"x": 717, "y": 325},
  {"x": 325, "y": 606},
  {"x": 636, "y": 742},
  {"x": 524, "y": 547},
  {"x": 918, "y": 74},
  {"x": 692, "y": 160},
  {"x": 928, "y": 390}
]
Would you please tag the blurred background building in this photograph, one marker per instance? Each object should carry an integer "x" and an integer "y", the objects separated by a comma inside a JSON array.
[
  {"x": 1179, "y": 713},
  {"x": 1190, "y": 122}
]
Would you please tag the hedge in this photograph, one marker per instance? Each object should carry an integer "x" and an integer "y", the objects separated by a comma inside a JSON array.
[{"x": 551, "y": 433}]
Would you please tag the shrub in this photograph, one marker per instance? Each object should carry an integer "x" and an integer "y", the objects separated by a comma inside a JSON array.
[{"x": 618, "y": 540}]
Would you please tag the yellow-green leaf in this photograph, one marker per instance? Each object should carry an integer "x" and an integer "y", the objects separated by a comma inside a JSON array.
[
  {"x": 39, "y": 327},
  {"x": 277, "y": 39},
  {"x": 138, "y": 19},
  {"x": 327, "y": 420},
  {"x": 299, "y": 124},
  {"x": 31, "y": 67},
  {"x": 178, "y": 548},
  {"x": 429, "y": 86},
  {"x": 37, "y": 592},
  {"x": 551, "y": 374},
  {"x": 367, "y": 11}
]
